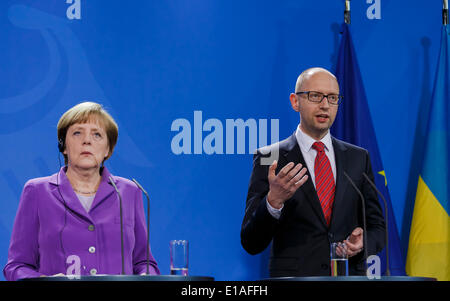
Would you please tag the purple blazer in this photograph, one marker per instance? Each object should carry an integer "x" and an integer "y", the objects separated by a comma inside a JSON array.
[{"x": 46, "y": 234}]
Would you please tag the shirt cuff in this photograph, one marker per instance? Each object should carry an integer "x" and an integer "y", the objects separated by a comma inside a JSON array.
[{"x": 276, "y": 213}]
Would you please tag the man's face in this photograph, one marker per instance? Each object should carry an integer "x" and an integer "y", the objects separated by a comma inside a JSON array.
[{"x": 316, "y": 118}]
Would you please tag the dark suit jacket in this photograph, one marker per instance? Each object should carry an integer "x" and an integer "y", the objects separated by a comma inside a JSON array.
[{"x": 301, "y": 238}]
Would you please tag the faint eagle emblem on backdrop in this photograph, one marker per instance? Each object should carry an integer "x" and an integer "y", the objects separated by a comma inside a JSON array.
[{"x": 28, "y": 120}]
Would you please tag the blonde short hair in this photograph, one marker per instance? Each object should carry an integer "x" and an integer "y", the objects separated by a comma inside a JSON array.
[{"x": 83, "y": 113}]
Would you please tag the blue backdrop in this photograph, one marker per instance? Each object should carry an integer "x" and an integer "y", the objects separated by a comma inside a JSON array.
[{"x": 152, "y": 64}]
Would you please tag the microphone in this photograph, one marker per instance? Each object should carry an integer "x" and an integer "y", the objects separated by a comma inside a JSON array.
[
  {"x": 364, "y": 217},
  {"x": 148, "y": 221},
  {"x": 121, "y": 223},
  {"x": 388, "y": 271}
]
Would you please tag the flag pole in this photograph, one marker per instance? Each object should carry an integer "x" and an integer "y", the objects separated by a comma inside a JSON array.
[
  {"x": 445, "y": 12},
  {"x": 347, "y": 12}
]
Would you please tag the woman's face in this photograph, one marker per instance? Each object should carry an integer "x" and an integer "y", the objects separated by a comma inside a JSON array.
[{"x": 86, "y": 145}]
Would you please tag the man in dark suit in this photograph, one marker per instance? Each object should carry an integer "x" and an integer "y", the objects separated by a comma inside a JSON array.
[{"x": 302, "y": 201}]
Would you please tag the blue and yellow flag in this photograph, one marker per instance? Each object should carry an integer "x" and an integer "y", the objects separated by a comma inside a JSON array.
[
  {"x": 429, "y": 240},
  {"x": 354, "y": 125}
]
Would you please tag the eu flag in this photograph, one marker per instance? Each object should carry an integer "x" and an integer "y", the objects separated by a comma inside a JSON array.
[
  {"x": 429, "y": 240},
  {"x": 354, "y": 124}
]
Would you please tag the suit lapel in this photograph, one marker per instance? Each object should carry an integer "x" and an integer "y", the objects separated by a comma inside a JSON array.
[
  {"x": 105, "y": 189},
  {"x": 307, "y": 190},
  {"x": 341, "y": 181},
  {"x": 64, "y": 193}
]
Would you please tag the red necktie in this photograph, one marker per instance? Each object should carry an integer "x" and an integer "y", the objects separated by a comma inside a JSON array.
[{"x": 324, "y": 180}]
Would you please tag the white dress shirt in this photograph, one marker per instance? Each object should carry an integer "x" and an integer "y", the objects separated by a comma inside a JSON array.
[{"x": 305, "y": 143}]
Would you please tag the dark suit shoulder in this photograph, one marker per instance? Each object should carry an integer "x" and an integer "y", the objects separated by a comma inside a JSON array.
[
  {"x": 283, "y": 145},
  {"x": 289, "y": 143},
  {"x": 342, "y": 145}
]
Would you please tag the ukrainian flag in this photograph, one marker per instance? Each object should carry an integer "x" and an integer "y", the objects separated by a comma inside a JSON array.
[{"x": 429, "y": 241}]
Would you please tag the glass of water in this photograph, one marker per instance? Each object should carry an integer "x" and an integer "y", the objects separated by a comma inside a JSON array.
[
  {"x": 179, "y": 257},
  {"x": 339, "y": 259}
]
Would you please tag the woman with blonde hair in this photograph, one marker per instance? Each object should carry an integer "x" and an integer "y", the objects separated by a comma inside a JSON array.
[{"x": 73, "y": 217}]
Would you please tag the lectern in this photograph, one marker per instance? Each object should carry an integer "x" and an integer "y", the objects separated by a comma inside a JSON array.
[
  {"x": 351, "y": 278},
  {"x": 123, "y": 278}
]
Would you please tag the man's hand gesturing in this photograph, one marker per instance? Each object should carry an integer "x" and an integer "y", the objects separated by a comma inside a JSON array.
[{"x": 283, "y": 185}]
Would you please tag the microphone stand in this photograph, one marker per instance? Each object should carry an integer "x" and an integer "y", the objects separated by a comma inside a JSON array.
[
  {"x": 364, "y": 218},
  {"x": 388, "y": 271},
  {"x": 148, "y": 222},
  {"x": 121, "y": 223}
]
